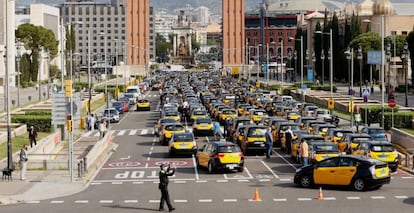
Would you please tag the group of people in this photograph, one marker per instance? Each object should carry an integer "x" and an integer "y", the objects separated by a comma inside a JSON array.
[{"x": 92, "y": 123}]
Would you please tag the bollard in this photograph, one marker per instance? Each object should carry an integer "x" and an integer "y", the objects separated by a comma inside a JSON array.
[
  {"x": 407, "y": 159},
  {"x": 79, "y": 170},
  {"x": 84, "y": 164}
]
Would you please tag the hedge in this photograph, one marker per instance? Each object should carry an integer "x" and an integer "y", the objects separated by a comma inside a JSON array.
[
  {"x": 401, "y": 88},
  {"x": 42, "y": 123},
  {"x": 376, "y": 112},
  {"x": 44, "y": 112},
  {"x": 401, "y": 120},
  {"x": 323, "y": 88},
  {"x": 307, "y": 83}
]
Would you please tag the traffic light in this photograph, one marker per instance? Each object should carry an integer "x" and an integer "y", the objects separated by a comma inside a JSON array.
[
  {"x": 69, "y": 123},
  {"x": 68, "y": 88}
]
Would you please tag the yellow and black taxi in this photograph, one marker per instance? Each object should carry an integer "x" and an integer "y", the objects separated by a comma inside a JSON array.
[
  {"x": 358, "y": 172},
  {"x": 257, "y": 114},
  {"x": 254, "y": 139},
  {"x": 182, "y": 143},
  {"x": 280, "y": 133},
  {"x": 302, "y": 121},
  {"x": 310, "y": 125},
  {"x": 174, "y": 114},
  {"x": 198, "y": 113},
  {"x": 336, "y": 134},
  {"x": 220, "y": 155},
  {"x": 380, "y": 150},
  {"x": 203, "y": 126},
  {"x": 351, "y": 141},
  {"x": 160, "y": 123},
  {"x": 238, "y": 135},
  {"x": 239, "y": 121},
  {"x": 143, "y": 105},
  {"x": 168, "y": 130},
  {"x": 227, "y": 113},
  {"x": 246, "y": 110},
  {"x": 292, "y": 115},
  {"x": 319, "y": 151},
  {"x": 296, "y": 144},
  {"x": 240, "y": 106},
  {"x": 323, "y": 129}
]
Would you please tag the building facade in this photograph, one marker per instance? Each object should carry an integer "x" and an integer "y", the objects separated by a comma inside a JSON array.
[
  {"x": 137, "y": 32},
  {"x": 233, "y": 44}
]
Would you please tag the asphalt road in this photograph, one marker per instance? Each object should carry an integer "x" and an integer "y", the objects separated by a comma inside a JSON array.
[{"x": 128, "y": 182}]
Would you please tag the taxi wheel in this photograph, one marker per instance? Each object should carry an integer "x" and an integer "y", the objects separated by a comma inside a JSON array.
[
  {"x": 240, "y": 169},
  {"x": 359, "y": 185},
  {"x": 210, "y": 168},
  {"x": 305, "y": 181}
]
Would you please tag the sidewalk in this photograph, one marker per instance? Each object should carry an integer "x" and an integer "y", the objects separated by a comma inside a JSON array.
[{"x": 47, "y": 184}]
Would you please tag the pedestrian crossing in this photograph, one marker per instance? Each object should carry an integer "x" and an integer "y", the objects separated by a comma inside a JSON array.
[{"x": 130, "y": 132}]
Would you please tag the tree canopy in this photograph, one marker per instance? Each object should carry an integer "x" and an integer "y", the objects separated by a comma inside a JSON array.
[{"x": 33, "y": 37}]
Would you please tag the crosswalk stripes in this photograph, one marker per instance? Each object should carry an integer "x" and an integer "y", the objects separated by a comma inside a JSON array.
[
  {"x": 132, "y": 132},
  {"x": 122, "y": 132}
]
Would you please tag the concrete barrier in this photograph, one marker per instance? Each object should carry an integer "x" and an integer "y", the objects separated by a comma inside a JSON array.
[
  {"x": 97, "y": 150},
  {"x": 403, "y": 139}
]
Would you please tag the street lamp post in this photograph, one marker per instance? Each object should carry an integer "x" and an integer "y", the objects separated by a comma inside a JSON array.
[
  {"x": 295, "y": 57},
  {"x": 388, "y": 58},
  {"x": 301, "y": 61},
  {"x": 323, "y": 65},
  {"x": 18, "y": 59},
  {"x": 360, "y": 57},
  {"x": 89, "y": 72},
  {"x": 281, "y": 62},
  {"x": 258, "y": 61},
  {"x": 106, "y": 71},
  {"x": 116, "y": 64},
  {"x": 313, "y": 65},
  {"x": 350, "y": 56},
  {"x": 404, "y": 57}
]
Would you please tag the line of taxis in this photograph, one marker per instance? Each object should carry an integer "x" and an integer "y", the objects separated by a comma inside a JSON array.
[{"x": 337, "y": 156}]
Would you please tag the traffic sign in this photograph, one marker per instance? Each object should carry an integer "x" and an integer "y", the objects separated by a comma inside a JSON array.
[
  {"x": 304, "y": 87},
  {"x": 366, "y": 91},
  {"x": 392, "y": 103},
  {"x": 331, "y": 103}
]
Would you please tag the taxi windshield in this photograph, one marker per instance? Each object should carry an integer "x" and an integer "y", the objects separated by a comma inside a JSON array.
[
  {"x": 171, "y": 113},
  {"x": 258, "y": 113},
  {"x": 200, "y": 112},
  {"x": 203, "y": 121},
  {"x": 382, "y": 148},
  {"x": 183, "y": 138},
  {"x": 256, "y": 132},
  {"x": 326, "y": 148},
  {"x": 227, "y": 112},
  {"x": 292, "y": 127},
  {"x": 174, "y": 128},
  {"x": 228, "y": 149}
]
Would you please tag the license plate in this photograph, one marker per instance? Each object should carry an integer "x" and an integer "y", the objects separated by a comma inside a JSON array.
[
  {"x": 258, "y": 143},
  {"x": 382, "y": 156},
  {"x": 231, "y": 166},
  {"x": 183, "y": 145}
]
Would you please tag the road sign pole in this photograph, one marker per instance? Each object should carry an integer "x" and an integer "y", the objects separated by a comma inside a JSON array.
[{"x": 392, "y": 117}]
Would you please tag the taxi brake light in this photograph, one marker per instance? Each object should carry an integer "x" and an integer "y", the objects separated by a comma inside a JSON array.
[{"x": 220, "y": 155}]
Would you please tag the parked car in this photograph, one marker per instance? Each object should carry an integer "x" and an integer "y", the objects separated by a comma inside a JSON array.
[
  {"x": 220, "y": 155},
  {"x": 111, "y": 114},
  {"x": 376, "y": 133}
]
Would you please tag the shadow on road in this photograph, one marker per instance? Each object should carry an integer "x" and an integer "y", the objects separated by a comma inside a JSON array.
[{"x": 131, "y": 207}]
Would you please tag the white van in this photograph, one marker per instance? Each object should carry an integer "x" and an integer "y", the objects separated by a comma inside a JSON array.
[{"x": 135, "y": 91}]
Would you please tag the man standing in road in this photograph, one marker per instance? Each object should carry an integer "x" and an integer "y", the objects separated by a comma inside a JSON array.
[
  {"x": 269, "y": 142},
  {"x": 165, "y": 171},
  {"x": 304, "y": 152},
  {"x": 288, "y": 138},
  {"x": 217, "y": 134}
]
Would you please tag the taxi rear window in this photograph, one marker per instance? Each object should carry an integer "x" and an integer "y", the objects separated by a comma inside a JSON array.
[
  {"x": 174, "y": 128},
  {"x": 183, "y": 138},
  {"x": 228, "y": 149},
  {"x": 325, "y": 148},
  {"x": 200, "y": 112},
  {"x": 382, "y": 148},
  {"x": 257, "y": 132},
  {"x": 203, "y": 121}
]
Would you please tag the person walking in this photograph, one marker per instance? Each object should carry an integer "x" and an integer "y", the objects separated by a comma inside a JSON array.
[
  {"x": 92, "y": 122},
  {"x": 269, "y": 142},
  {"x": 23, "y": 162},
  {"x": 165, "y": 171},
  {"x": 304, "y": 152},
  {"x": 217, "y": 133},
  {"x": 32, "y": 136},
  {"x": 288, "y": 139}
]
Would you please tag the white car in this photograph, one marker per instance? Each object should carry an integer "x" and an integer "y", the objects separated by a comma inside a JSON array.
[
  {"x": 322, "y": 114},
  {"x": 111, "y": 114}
]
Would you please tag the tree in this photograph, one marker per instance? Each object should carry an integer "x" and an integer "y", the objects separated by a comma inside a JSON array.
[
  {"x": 34, "y": 37},
  {"x": 162, "y": 48},
  {"x": 194, "y": 44},
  {"x": 410, "y": 41}
]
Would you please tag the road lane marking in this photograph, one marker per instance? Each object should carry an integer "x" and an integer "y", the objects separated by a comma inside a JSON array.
[
  {"x": 279, "y": 199},
  {"x": 106, "y": 201},
  {"x": 32, "y": 201},
  {"x": 304, "y": 199},
  {"x": 130, "y": 201},
  {"x": 353, "y": 198},
  {"x": 82, "y": 201},
  {"x": 286, "y": 180},
  {"x": 195, "y": 167},
  {"x": 205, "y": 200},
  {"x": 264, "y": 180},
  {"x": 150, "y": 153},
  {"x": 244, "y": 180},
  {"x": 248, "y": 173},
  {"x": 180, "y": 181},
  {"x": 117, "y": 183},
  {"x": 222, "y": 181},
  {"x": 152, "y": 148},
  {"x": 154, "y": 201},
  {"x": 230, "y": 200},
  {"x": 201, "y": 181},
  {"x": 252, "y": 200},
  {"x": 95, "y": 183},
  {"x": 57, "y": 201},
  {"x": 180, "y": 201},
  {"x": 148, "y": 158},
  {"x": 270, "y": 170},
  {"x": 283, "y": 158},
  {"x": 377, "y": 197},
  {"x": 140, "y": 182},
  {"x": 132, "y": 132},
  {"x": 144, "y": 131},
  {"x": 96, "y": 134},
  {"x": 401, "y": 197},
  {"x": 122, "y": 132},
  {"x": 329, "y": 198},
  {"x": 407, "y": 177}
]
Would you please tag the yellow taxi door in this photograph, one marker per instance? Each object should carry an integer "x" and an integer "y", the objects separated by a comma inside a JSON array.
[
  {"x": 325, "y": 172},
  {"x": 204, "y": 156},
  {"x": 345, "y": 171}
]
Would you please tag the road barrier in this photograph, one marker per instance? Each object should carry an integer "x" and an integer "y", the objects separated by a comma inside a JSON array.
[{"x": 97, "y": 150}]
